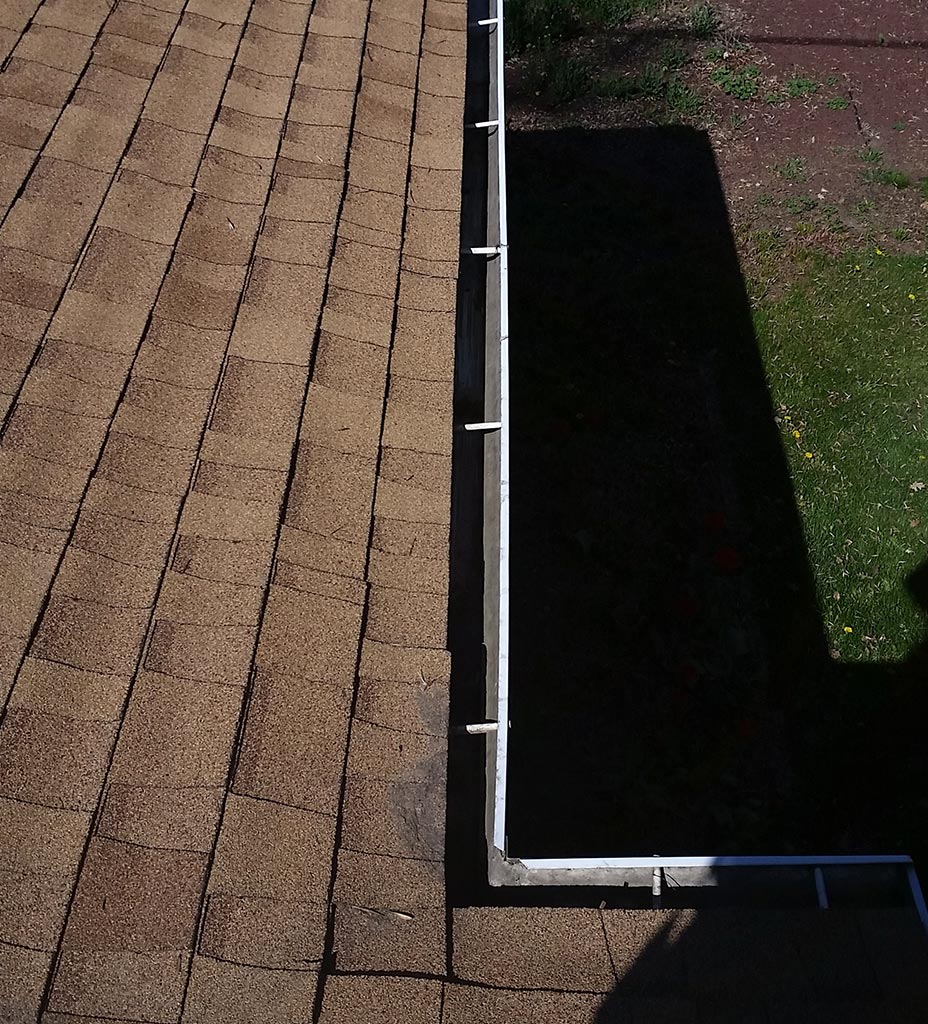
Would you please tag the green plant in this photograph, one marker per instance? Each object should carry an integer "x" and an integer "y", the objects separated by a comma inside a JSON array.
[
  {"x": 545, "y": 23},
  {"x": 901, "y": 234},
  {"x": 615, "y": 87},
  {"x": 741, "y": 83},
  {"x": 897, "y": 179},
  {"x": 832, "y": 217},
  {"x": 704, "y": 21},
  {"x": 900, "y": 126},
  {"x": 871, "y": 156},
  {"x": 833, "y": 80},
  {"x": 839, "y": 103},
  {"x": 800, "y": 204},
  {"x": 775, "y": 99},
  {"x": 764, "y": 199},
  {"x": 650, "y": 82},
  {"x": 673, "y": 56},
  {"x": 538, "y": 23},
  {"x": 737, "y": 121},
  {"x": 567, "y": 78},
  {"x": 614, "y": 12},
  {"x": 714, "y": 54},
  {"x": 766, "y": 240},
  {"x": 670, "y": 94},
  {"x": 885, "y": 176},
  {"x": 681, "y": 99},
  {"x": 865, "y": 206},
  {"x": 798, "y": 86},
  {"x": 793, "y": 169}
]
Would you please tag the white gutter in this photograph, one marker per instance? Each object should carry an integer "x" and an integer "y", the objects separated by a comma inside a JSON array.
[
  {"x": 609, "y": 863},
  {"x": 496, "y": 124}
]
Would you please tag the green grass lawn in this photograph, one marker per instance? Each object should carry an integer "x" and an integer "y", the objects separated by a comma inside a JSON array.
[{"x": 846, "y": 355}]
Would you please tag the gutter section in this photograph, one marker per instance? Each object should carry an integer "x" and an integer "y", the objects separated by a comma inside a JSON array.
[{"x": 496, "y": 450}]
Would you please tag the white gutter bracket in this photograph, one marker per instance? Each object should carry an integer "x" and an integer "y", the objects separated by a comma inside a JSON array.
[{"x": 483, "y": 428}]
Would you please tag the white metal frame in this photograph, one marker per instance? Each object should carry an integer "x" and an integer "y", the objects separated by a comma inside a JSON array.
[{"x": 586, "y": 870}]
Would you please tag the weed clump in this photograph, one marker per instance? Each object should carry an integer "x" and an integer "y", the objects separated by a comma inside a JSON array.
[
  {"x": 704, "y": 21},
  {"x": 742, "y": 83}
]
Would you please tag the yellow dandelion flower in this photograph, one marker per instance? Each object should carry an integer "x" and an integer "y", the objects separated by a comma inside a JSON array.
[
  {"x": 880, "y": 252},
  {"x": 848, "y": 629},
  {"x": 796, "y": 434},
  {"x": 808, "y": 455},
  {"x": 911, "y": 296},
  {"x": 857, "y": 266}
]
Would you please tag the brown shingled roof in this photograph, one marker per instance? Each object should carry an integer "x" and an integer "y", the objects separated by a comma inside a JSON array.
[
  {"x": 228, "y": 258},
  {"x": 189, "y": 474}
]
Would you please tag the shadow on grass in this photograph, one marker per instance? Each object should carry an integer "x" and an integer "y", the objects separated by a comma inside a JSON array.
[{"x": 671, "y": 688}]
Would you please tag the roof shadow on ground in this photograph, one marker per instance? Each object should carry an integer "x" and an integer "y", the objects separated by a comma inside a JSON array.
[{"x": 671, "y": 687}]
